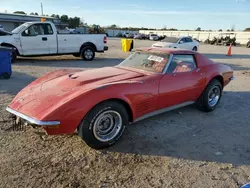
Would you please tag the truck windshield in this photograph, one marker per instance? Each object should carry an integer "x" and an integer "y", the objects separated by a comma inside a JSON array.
[
  {"x": 19, "y": 28},
  {"x": 147, "y": 61}
]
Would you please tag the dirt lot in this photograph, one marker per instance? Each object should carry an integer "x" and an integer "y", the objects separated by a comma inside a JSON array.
[{"x": 182, "y": 148}]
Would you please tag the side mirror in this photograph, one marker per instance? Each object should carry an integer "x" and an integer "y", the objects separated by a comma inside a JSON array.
[{"x": 181, "y": 42}]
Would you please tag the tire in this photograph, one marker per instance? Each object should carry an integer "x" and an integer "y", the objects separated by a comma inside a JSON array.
[
  {"x": 195, "y": 49},
  {"x": 204, "y": 102},
  {"x": 88, "y": 53},
  {"x": 13, "y": 56},
  {"x": 111, "y": 112}
]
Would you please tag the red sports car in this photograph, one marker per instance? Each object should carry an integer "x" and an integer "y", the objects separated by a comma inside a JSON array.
[{"x": 99, "y": 103}]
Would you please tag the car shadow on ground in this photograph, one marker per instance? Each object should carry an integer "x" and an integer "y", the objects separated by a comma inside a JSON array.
[
  {"x": 219, "y": 136},
  {"x": 17, "y": 82},
  {"x": 70, "y": 63},
  {"x": 223, "y": 56}
]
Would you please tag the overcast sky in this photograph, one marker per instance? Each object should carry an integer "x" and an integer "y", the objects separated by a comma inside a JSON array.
[{"x": 180, "y": 14}]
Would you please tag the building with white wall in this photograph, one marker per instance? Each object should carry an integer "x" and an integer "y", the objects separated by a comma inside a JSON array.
[{"x": 11, "y": 21}]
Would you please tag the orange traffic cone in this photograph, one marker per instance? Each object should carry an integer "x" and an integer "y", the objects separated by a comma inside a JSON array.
[{"x": 229, "y": 53}]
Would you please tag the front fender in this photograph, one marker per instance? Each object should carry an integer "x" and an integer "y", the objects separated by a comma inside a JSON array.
[{"x": 74, "y": 108}]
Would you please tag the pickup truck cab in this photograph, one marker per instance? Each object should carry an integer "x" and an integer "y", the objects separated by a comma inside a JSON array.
[{"x": 43, "y": 39}]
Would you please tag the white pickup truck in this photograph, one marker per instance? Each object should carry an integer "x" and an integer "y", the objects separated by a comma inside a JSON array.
[{"x": 42, "y": 39}]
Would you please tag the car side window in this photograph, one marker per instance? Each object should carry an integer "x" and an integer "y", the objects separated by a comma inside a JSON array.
[
  {"x": 183, "y": 40},
  {"x": 38, "y": 29},
  {"x": 189, "y": 40},
  {"x": 182, "y": 63},
  {"x": 47, "y": 29}
]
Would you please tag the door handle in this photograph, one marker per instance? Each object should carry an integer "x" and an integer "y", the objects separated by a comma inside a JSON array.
[{"x": 44, "y": 38}]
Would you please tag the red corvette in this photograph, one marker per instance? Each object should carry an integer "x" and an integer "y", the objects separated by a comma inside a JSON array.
[{"x": 99, "y": 103}]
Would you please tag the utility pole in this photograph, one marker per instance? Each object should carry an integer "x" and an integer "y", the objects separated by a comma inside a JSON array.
[{"x": 42, "y": 8}]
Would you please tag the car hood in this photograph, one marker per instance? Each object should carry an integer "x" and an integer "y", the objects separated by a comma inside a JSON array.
[
  {"x": 59, "y": 86},
  {"x": 162, "y": 44}
]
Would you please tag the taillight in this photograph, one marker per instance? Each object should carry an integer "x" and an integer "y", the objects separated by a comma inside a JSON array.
[{"x": 105, "y": 39}]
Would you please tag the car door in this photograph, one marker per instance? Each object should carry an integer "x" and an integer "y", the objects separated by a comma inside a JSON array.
[
  {"x": 189, "y": 43},
  {"x": 183, "y": 43},
  {"x": 49, "y": 37},
  {"x": 183, "y": 82},
  {"x": 33, "y": 41}
]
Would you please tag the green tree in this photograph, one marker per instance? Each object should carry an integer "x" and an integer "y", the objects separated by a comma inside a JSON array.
[
  {"x": 36, "y": 13},
  {"x": 64, "y": 18},
  {"x": 74, "y": 22},
  {"x": 114, "y": 26},
  {"x": 247, "y": 29},
  {"x": 198, "y": 29},
  {"x": 32, "y": 13},
  {"x": 19, "y": 12},
  {"x": 220, "y": 30}
]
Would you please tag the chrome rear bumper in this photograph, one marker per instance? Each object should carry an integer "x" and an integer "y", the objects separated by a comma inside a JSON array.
[{"x": 32, "y": 120}]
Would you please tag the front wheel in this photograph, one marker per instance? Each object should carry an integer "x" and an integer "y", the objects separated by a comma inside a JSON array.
[
  {"x": 88, "y": 53},
  {"x": 13, "y": 56},
  {"x": 210, "y": 97},
  {"x": 103, "y": 125}
]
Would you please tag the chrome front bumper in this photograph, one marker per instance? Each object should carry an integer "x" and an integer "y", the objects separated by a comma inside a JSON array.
[{"x": 32, "y": 120}]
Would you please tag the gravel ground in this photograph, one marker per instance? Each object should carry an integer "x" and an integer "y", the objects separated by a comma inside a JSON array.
[{"x": 182, "y": 148}]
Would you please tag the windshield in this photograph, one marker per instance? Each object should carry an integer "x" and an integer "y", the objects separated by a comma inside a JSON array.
[
  {"x": 146, "y": 61},
  {"x": 19, "y": 28},
  {"x": 170, "y": 39}
]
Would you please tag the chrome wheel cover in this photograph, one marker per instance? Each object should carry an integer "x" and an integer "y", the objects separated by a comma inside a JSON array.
[
  {"x": 107, "y": 126},
  {"x": 214, "y": 96},
  {"x": 88, "y": 53}
]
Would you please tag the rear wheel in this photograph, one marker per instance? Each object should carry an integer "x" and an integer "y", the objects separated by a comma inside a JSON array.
[
  {"x": 210, "y": 97},
  {"x": 103, "y": 125},
  {"x": 88, "y": 53}
]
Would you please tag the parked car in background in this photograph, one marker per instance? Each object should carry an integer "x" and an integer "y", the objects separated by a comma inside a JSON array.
[
  {"x": 153, "y": 37},
  {"x": 128, "y": 35},
  {"x": 99, "y": 103},
  {"x": 42, "y": 38},
  {"x": 178, "y": 42},
  {"x": 138, "y": 36}
]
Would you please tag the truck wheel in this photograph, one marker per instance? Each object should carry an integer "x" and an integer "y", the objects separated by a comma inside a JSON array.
[
  {"x": 210, "y": 97},
  {"x": 13, "y": 56},
  {"x": 88, "y": 53},
  {"x": 103, "y": 125}
]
